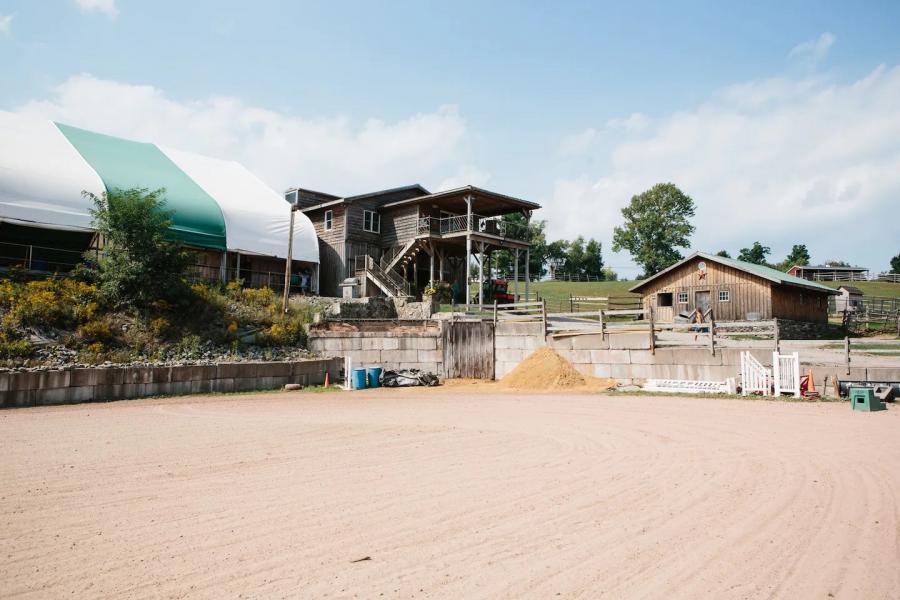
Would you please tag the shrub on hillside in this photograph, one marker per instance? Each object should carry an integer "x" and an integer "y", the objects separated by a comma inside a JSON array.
[{"x": 140, "y": 263}]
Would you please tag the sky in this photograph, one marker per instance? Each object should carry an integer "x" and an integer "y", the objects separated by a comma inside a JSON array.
[{"x": 780, "y": 119}]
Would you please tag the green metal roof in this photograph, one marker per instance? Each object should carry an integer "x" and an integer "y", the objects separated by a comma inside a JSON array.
[
  {"x": 197, "y": 220},
  {"x": 773, "y": 275}
]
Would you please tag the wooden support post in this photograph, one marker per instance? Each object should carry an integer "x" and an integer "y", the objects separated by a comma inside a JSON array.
[
  {"x": 712, "y": 334},
  {"x": 287, "y": 263},
  {"x": 544, "y": 316},
  {"x": 847, "y": 353},
  {"x": 527, "y": 274},
  {"x": 237, "y": 269},
  {"x": 431, "y": 265},
  {"x": 516, "y": 284},
  {"x": 468, "y": 249},
  {"x": 652, "y": 333},
  {"x": 601, "y": 325},
  {"x": 495, "y": 312},
  {"x": 480, "y": 276}
]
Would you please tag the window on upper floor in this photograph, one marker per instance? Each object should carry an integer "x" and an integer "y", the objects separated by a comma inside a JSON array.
[
  {"x": 329, "y": 220},
  {"x": 371, "y": 221}
]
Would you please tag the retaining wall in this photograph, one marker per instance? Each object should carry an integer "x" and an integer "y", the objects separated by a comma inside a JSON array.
[
  {"x": 38, "y": 388},
  {"x": 628, "y": 359},
  {"x": 398, "y": 345}
]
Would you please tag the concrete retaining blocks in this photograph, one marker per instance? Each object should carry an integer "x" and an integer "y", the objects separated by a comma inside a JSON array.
[{"x": 103, "y": 384}]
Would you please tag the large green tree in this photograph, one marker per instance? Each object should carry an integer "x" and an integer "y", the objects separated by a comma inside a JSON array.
[
  {"x": 755, "y": 254},
  {"x": 895, "y": 264},
  {"x": 140, "y": 263},
  {"x": 518, "y": 226},
  {"x": 657, "y": 224},
  {"x": 798, "y": 255}
]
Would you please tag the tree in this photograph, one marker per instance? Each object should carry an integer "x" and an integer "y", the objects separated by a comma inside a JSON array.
[
  {"x": 837, "y": 263},
  {"x": 756, "y": 254},
  {"x": 799, "y": 255},
  {"x": 895, "y": 264},
  {"x": 140, "y": 262},
  {"x": 505, "y": 260},
  {"x": 723, "y": 254},
  {"x": 593, "y": 259},
  {"x": 656, "y": 225}
]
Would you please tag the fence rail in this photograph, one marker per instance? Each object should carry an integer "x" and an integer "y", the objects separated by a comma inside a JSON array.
[{"x": 477, "y": 224}]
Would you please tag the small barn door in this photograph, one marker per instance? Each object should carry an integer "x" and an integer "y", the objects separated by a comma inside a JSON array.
[
  {"x": 468, "y": 348},
  {"x": 701, "y": 301}
]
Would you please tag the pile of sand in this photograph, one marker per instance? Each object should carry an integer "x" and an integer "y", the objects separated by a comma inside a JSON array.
[{"x": 544, "y": 369}]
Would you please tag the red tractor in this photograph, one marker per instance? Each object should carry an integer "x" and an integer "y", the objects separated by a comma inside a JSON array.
[{"x": 496, "y": 289}]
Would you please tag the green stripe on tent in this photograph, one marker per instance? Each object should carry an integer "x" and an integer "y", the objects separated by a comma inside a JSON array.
[{"x": 123, "y": 164}]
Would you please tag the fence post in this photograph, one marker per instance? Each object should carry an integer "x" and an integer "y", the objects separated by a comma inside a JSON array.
[
  {"x": 847, "y": 353},
  {"x": 776, "y": 373},
  {"x": 797, "y": 375},
  {"x": 652, "y": 333},
  {"x": 571, "y": 304},
  {"x": 495, "y": 312},
  {"x": 544, "y": 317},
  {"x": 775, "y": 333},
  {"x": 601, "y": 325},
  {"x": 712, "y": 334}
]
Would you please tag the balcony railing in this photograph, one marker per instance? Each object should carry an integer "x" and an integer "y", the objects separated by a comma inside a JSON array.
[{"x": 461, "y": 224}]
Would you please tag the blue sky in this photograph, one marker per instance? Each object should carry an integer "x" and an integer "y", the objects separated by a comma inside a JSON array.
[{"x": 776, "y": 117}]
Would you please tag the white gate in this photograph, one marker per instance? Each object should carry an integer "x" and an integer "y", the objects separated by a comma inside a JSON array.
[
  {"x": 786, "y": 372},
  {"x": 755, "y": 378}
]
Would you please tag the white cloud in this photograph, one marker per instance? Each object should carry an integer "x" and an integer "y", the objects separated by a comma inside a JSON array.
[
  {"x": 333, "y": 154},
  {"x": 465, "y": 175},
  {"x": 578, "y": 143},
  {"x": 812, "y": 52},
  {"x": 778, "y": 161},
  {"x": 6, "y": 24},
  {"x": 106, "y": 7}
]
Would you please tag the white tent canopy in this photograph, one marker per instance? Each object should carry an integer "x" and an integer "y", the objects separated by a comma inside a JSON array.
[
  {"x": 42, "y": 176},
  {"x": 256, "y": 217}
]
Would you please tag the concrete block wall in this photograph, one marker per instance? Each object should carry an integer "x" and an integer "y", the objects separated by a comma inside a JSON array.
[
  {"x": 401, "y": 349},
  {"x": 98, "y": 384},
  {"x": 513, "y": 342}
]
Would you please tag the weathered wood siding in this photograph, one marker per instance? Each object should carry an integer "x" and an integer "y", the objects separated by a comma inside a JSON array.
[
  {"x": 799, "y": 304},
  {"x": 355, "y": 230},
  {"x": 332, "y": 253},
  {"x": 399, "y": 225},
  {"x": 468, "y": 350},
  {"x": 748, "y": 293}
]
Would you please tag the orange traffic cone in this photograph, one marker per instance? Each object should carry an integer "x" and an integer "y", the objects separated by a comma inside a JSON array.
[{"x": 327, "y": 379}]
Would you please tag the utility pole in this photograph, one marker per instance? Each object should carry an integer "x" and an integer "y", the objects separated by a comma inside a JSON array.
[{"x": 287, "y": 263}]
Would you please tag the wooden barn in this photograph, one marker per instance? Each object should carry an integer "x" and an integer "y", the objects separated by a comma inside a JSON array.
[{"x": 734, "y": 290}]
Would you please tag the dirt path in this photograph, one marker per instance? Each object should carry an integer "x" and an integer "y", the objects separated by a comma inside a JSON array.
[{"x": 449, "y": 495}]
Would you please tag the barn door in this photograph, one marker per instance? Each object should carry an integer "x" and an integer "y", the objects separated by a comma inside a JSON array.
[
  {"x": 701, "y": 301},
  {"x": 468, "y": 348}
]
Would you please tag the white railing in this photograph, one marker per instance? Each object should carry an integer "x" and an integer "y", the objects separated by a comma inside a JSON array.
[
  {"x": 755, "y": 378},
  {"x": 786, "y": 373}
]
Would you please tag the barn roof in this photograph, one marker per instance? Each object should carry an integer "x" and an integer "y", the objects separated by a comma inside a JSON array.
[
  {"x": 761, "y": 271},
  {"x": 851, "y": 289}
]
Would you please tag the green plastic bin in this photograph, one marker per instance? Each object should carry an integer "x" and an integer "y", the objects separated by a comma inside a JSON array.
[{"x": 864, "y": 399}]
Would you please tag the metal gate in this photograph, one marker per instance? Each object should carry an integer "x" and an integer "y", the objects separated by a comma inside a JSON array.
[{"x": 468, "y": 348}]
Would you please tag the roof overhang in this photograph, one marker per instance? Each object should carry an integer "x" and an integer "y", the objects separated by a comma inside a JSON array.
[{"x": 485, "y": 202}]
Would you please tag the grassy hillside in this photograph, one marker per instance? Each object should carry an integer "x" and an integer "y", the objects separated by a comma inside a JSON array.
[
  {"x": 557, "y": 292},
  {"x": 883, "y": 289}
]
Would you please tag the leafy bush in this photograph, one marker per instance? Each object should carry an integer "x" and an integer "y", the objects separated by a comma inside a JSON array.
[
  {"x": 140, "y": 263},
  {"x": 47, "y": 303},
  {"x": 97, "y": 330},
  {"x": 259, "y": 297},
  {"x": 12, "y": 346}
]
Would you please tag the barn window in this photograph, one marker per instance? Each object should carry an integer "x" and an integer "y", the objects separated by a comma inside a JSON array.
[
  {"x": 682, "y": 297},
  {"x": 329, "y": 220},
  {"x": 724, "y": 295},
  {"x": 371, "y": 221},
  {"x": 664, "y": 299}
]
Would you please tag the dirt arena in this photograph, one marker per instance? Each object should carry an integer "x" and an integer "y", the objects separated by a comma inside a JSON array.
[{"x": 450, "y": 494}]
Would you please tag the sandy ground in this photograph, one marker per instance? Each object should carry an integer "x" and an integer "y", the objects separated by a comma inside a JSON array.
[{"x": 451, "y": 494}]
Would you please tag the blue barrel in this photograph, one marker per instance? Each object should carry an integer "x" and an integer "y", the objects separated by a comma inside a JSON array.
[
  {"x": 359, "y": 379},
  {"x": 374, "y": 377}
]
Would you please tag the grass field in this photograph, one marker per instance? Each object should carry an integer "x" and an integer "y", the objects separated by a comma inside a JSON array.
[
  {"x": 557, "y": 292},
  {"x": 882, "y": 289}
]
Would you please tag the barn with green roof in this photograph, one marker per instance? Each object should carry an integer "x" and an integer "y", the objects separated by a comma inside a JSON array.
[{"x": 732, "y": 290}]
